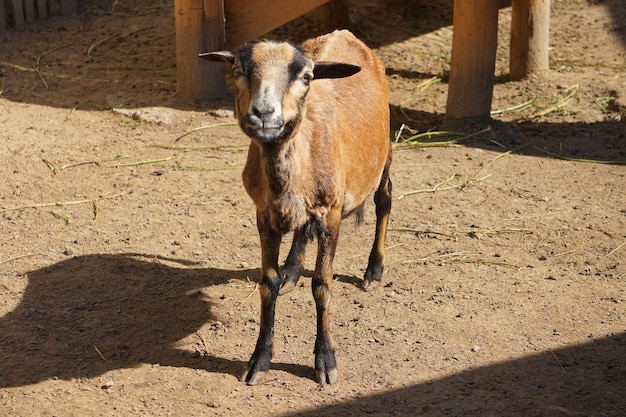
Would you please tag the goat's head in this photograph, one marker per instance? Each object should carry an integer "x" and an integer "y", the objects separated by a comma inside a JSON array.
[{"x": 272, "y": 81}]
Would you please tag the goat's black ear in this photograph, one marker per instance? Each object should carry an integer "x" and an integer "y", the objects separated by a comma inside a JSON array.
[
  {"x": 325, "y": 69},
  {"x": 225, "y": 56}
]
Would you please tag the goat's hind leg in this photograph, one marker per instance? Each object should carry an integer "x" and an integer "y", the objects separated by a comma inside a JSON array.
[
  {"x": 382, "y": 199},
  {"x": 290, "y": 272}
]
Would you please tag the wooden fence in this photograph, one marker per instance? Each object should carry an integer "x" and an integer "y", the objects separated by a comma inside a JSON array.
[
  {"x": 15, "y": 13},
  {"x": 209, "y": 25}
]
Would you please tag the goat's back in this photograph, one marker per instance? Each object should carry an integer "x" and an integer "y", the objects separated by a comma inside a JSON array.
[{"x": 361, "y": 112}]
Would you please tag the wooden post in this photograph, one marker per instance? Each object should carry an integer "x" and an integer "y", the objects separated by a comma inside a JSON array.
[
  {"x": 530, "y": 37},
  {"x": 473, "y": 60},
  {"x": 200, "y": 27}
]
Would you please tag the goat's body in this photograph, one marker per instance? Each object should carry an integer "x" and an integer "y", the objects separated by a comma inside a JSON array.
[
  {"x": 317, "y": 151},
  {"x": 303, "y": 182}
]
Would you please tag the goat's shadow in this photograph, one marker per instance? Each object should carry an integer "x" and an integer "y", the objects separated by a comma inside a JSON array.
[{"x": 91, "y": 314}]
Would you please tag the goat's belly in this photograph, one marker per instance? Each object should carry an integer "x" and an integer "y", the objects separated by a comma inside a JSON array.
[
  {"x": 353, "y": 200},
  {"x": 349, "y": 204}
]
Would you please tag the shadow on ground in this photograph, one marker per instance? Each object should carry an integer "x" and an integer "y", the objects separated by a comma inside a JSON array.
[
  {"x": 603, "y": 142},
  {"x": 134, "y": 309},
  {"x": 127, "y": 308},
  {"x": 545, "y": 384}
]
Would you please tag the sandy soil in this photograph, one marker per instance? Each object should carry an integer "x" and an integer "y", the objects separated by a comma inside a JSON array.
[{"x": 129, "y": 252}]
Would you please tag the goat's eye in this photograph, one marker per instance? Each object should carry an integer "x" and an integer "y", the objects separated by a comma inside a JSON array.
[
  {"x": 307, "y": 77},
  {"x": 237, "y": 71}
]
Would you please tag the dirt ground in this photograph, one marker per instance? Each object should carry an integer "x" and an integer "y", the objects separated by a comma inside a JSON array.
[{"x": 129, "y": 252}]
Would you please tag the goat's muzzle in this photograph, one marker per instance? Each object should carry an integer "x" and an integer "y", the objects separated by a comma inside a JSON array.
[{"x": 265, "y": 125}]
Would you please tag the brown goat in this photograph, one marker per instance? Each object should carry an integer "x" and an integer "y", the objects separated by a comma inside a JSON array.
[{"x": 319, "y": 147}]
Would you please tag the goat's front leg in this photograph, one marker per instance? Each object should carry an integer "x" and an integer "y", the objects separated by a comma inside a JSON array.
[
  {"x": 259, "y": 362},
  {"x": 321, "y": 284}
]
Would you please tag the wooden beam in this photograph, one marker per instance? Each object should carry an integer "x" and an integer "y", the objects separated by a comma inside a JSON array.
[
  {"x": 248, "y": 19},
  {"x": 530, "y": 38},
  {"x": 199, "y": 28},
  {"x": 472, "y": 65}
]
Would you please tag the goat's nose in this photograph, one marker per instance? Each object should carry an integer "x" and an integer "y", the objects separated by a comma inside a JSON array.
[{"x": 262, "y": 112}]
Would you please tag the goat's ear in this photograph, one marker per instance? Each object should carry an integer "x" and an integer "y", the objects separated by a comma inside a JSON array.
[
  {"x": 325, "y": 69},
  {"x": 225, "y": 56}
]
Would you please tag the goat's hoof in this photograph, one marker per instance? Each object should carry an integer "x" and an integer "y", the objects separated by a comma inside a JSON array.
[
  {"x": 368, "y": 285},
  {"x": 287, "y": 286},
  {"x": 325, "y": 364},
  {"x": 329, "y": 376},
  {"x": 252, "y": 377}
]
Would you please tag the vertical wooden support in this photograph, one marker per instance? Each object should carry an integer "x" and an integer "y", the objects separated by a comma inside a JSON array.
[
  {"x": 472, "y": 66},
  {"x": 530, "y": 37},
  {"x": 200, "y": 27}
]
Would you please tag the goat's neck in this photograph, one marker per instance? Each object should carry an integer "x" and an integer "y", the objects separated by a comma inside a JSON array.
[{"x": 281, "y": 165}]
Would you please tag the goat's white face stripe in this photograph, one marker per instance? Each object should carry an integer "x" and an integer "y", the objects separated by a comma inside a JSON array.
[{"x": 269, "y": 79}]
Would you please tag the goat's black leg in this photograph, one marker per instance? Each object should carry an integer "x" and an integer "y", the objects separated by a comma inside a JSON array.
[
  {"x": 321, "y": 285},
  {"x": 290, "y": 273},
  {"x": 382, "y": 199},
  {"x": 259, "y": 362}
]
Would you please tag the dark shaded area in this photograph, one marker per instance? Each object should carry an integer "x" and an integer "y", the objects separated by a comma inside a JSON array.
[
  {"x": 131, "y": 309},
  {"x": 65, "y": 62},
  {"x": 134, "y": 309},
  {"x": 71, "y": 64},
  {"x": 618, "y": 10},
  {"x": 545, "y": 384},
  {"x": 603, "y": 142}
]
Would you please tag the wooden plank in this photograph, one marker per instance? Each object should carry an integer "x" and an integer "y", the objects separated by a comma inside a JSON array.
[
  {"x": 246, "y": 20},
  {"x": 199, "y": 28},
  {"x": 530, "y": 38},
  {"x": 42, "y": 9},
  {"x": 17, "y": 12},
  {"x": 472, "y": 66},
  {"x": 29, "y": 10}
]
